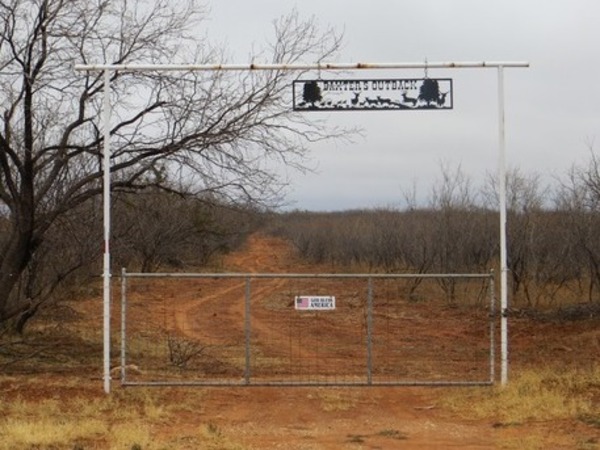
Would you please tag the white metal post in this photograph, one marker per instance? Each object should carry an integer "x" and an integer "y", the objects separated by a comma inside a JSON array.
[
  {"x": 503, "y": 241},
  {"x": 106, "y": 200}
]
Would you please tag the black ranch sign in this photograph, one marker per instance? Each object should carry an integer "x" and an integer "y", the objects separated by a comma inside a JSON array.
[{"x": 376, "y": 95}]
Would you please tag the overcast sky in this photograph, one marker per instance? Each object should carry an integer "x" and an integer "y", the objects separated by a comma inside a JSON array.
[{"x": 551, "y": 108}]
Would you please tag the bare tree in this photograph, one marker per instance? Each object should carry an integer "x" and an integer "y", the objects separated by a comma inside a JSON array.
[
  {"x": 578, "y": 201},
  {"x": 154, "y": 229},
  {"x": 454, "y": 200},
  {"x": 590, "y": 176},
  {"x": 525, "y": 198},
  {"x": 217, "y": 131}
]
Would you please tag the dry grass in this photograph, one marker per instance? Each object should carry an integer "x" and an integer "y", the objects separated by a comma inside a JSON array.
[
  {"x": 534, "y": 395},
  {"x": 212, "y": 438},
  {"x": 45, "y": 423},
  {"x": 540, "y": 401},
  {"x": 124, "y": 420},
  {"x": 132, "y": 418},
  {"x": 332, "y": 400},
  {"x": 49, "y": 432}
]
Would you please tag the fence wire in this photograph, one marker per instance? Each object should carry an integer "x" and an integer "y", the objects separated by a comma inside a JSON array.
[{"x": 245, "y": 329}]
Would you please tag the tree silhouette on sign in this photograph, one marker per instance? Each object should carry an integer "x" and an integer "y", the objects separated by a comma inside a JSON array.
[
  {"x": 429, "y": 91},
  {"x": 311, "y": 93}
]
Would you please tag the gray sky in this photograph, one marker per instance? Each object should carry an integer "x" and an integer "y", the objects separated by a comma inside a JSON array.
[{"x": 551, "y": 108}]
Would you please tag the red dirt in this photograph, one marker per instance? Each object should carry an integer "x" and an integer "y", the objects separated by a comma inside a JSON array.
[
  {"x": 356, "y": 417},
  {"x": 370, "y": 418},
  {"x": 323, "y": 418}
]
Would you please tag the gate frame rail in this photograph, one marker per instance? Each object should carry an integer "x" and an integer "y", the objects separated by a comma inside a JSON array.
[{"x": 247, "y": 378}]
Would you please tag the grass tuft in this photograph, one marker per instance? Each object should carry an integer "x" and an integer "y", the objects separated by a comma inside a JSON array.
[
  {"x": 213, "y": 438},
  {"x": 393, "y": 434},
  {"x": 48, "y": 432},
  {"x": 333, "y": 400},
  {"x": 532, "y": 395}
]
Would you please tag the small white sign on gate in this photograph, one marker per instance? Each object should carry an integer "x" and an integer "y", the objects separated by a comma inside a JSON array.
[{"x": 315, "y": 302}]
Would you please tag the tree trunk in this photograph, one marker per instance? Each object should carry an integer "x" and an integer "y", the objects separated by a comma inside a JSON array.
[{"x": 17, "y": 254}]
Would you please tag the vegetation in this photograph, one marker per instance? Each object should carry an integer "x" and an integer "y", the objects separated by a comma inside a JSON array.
[
  {"x": 553, "y": 244},
  {"x": 138, "y": 418},
  {"x": 153, "y": 229},
  {"x": 542, "y": 394},
  {"x": 123, "y": 420},
  {"x": 203, "y": 134},
  {"x": 189, "y": 158}
]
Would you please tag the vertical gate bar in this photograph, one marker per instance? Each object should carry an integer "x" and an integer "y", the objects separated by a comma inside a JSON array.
[
  {"x": 370, "y": 331},
  {"x": 247, "y": 331},
  {"x": 123, "y": 321},
  {"x": 492, "y": 290}
]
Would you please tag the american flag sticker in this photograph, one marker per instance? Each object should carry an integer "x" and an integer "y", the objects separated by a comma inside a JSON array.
[
  {"x": 302, "y": 302},
  {"x": 314, "y": 302}
]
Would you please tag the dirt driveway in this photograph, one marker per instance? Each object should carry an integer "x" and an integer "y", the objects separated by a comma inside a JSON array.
[
  {"x": 334, "y": 418},
  {"x": 315, "y": 418}
]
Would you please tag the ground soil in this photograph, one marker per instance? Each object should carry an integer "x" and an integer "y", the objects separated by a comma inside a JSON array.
[{"x": 352, "y": 417}]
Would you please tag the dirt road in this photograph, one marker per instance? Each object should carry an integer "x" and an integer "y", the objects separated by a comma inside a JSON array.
[
  {"x": 320, "y": 418},
  {"x": 66, "y": 376}
]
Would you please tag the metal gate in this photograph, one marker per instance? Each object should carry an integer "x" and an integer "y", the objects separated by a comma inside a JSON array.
[{"x": 262, "y": 329}]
